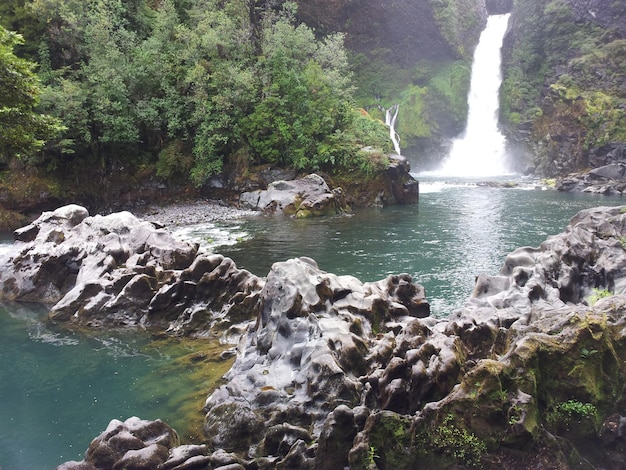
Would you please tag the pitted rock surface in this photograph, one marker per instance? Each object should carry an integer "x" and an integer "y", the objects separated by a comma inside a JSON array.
[
  {"x": 326, "y": 347},
  {"x": 309, "y": 347},
  {"x": 122, "y": 271},
  {"x": 304, "y": 197},
  {"x": 332, "y": 358}
]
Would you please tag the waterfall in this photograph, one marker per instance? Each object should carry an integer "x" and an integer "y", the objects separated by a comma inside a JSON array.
[
  {"x": 480, "y": 150},
  {"x": 391, "y": 115}
]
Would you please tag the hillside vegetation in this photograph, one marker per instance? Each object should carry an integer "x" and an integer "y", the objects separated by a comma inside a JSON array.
[
  {"x": 185, "y": 89},
  {"x": 179, "y": 91},
  {"x": 413, "y": 53}
]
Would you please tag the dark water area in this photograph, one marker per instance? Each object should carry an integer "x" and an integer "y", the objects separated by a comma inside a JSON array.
[{"x": 59, "y": 389}]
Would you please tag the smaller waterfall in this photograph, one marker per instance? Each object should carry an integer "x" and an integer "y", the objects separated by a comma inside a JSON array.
[
  {"x": 391, "y": 115},
  {"x": 480, "y": 151}
]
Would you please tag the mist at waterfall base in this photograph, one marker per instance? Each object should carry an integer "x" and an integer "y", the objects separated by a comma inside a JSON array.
[{"x": 481, "y": 150}]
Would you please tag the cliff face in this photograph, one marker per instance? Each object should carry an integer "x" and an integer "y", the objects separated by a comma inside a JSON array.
[
  {"x": 564, "y": 93},
  {"x": 407, "y": 29},
  {"x": 416, "y": 53}
]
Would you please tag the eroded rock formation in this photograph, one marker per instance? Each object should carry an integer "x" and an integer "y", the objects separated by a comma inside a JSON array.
[
  {"x": 331, "y": 372},
  {"x": 304, "y": 197},
  {"x": 307, "y": 351},
  {"x": 311, "y": 196},
  {"x": 118, "y": 270}
]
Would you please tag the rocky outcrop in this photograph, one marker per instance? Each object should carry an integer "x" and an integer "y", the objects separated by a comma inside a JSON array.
[
  {"x": 394, "y": 185},
  {"x": 311, "y": 196},
  {"x": 134, "y": 443},
  {"x": 499, "y": 7},
  {"x": 528, "y": 358},
  {"x": 528, "y": 374},
  {"x": 305, "y": 197},
  {"x": 118, "y": 270},
  {"x": 396, "y": 27},
  {"x": 307, "y": 351},
  {"x": 608, "y": 179}
]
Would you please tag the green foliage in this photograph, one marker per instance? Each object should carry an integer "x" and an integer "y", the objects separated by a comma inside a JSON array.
[
  {"x": 587, "y": 353},
  {"x": 174, "y": 161},
  {"x": 587, "y": 100},
  {"x": 377, "y": 81},
  {"x": 456, "y": 19},
  {"x": 391, "y": 440},
  {"x": 366, "y": 130},
  {"x": 564, "y": 414},
  {"x": 453, "y": 443},
  {"x": 231, "y": 83},
  {"x": 525, "y": 69},
  {"x": 414, "y": 120},
  {"x": 372, "y": 456},
  {"x": 447, "y": 95},
  {"x": 23, "y": 131},
  {"x": 15, "y": 15},
  {"x": 597, "y": 294}
]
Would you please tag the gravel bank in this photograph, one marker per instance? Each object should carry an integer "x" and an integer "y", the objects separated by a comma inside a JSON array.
[{"x": 191, "y": 213}]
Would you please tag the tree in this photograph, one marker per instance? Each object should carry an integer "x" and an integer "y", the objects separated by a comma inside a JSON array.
[
  {"x": 195, "y": 85},
  {"x": 305, "y": 95},
  {"x": 23, "y": 131}
]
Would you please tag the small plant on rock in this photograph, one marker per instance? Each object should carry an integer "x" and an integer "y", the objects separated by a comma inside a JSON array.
[
  {"x": 568, "y": 414},
  {"x": 372, "y": 456},
  {"x": 453, "y": 442},
  {"x": 587, "y": 353},
  {"x": 596, "y": 295}
]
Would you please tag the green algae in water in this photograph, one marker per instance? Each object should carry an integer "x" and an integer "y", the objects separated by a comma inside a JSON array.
[
  {"x": 60, "y": 388},
  {"x": 183, "y": 382}
]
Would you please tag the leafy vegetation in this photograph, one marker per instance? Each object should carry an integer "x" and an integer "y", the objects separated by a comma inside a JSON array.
[
  {"x": 191, "y": 86},
  {"x": 453, "y": 443},
  {"x": 23, "y": 131},
  {"x": 454, "y": 22},
  {"x": 598, "y": 294},
  {"x": 564, "y": 74},
  {"x": 565, "y": 415}
]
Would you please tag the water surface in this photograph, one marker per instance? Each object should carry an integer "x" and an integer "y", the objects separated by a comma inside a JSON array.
[
  {"x": 59, "y": 389},
  {"x": 455, "y": 232}
]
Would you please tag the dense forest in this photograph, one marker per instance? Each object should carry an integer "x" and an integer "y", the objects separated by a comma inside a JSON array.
[{"x": 180, "y": 88}]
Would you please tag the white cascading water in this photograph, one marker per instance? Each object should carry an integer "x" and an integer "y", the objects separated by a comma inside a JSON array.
[
  {"x": 480, "y": 151},
  {"x": 391, "y": 115}
]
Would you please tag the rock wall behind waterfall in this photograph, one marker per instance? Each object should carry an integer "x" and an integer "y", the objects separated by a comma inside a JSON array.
[
  {"x": 564, "y": 93},
  {"x": 409, "y": 30}
]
